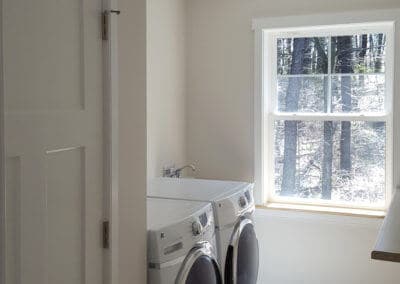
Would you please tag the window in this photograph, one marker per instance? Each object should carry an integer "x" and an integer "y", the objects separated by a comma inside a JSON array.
[{"x": 327, "y": 115}]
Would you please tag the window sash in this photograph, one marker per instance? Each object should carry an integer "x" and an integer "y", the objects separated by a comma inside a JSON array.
[
  {"x": 269, "y": 177},
  {"x": 328, "y": 32},
  {"x": 331, "y": 30},
  {"x": 330, "y": 116}
]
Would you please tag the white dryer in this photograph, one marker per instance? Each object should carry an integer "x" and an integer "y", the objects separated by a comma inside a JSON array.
[
  {"x": 181, "y": 243},
  {"x": 233, "y": 206}
]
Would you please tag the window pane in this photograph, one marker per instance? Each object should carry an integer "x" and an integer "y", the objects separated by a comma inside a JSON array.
[
  {"x": 302, "y": 56},
  {"x": 358, "y": 93},
  {"x": 297, "y": 158},
  {"x": 359, "y": 53},
  {"x": 335, "y": 161},
  {"x": 301, "y": 94}
]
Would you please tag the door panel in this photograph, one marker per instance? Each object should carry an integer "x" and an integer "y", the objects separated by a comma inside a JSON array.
[
  {"x": 53, "y": 86},
  {"x": 43, "y": 44},
  {"x": 65, "y": 215},
  {"x": 13, "y": 187}
]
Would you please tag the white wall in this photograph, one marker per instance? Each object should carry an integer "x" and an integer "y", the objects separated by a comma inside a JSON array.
[
  {"x": 166, "y": 84},
  {"x": 220, "y": 77},
  {"x": 132, "y": 141},
  {"x": 295, "y": 248},
  {"x": 307, "y": 248}
]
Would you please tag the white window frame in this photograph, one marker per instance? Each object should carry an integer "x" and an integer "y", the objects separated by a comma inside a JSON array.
[{"x": 266, "y": 33}]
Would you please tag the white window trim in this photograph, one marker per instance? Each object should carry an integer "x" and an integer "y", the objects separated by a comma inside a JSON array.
[{"x": 354, "y": 23}]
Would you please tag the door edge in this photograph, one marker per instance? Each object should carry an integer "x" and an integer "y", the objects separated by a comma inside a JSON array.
[{"x": 2, "y": 159}]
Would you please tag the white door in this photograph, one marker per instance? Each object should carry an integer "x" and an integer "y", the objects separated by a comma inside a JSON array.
[{"x": 53, "y": 90}]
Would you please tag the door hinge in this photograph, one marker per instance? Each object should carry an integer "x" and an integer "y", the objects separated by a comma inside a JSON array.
[
  {"x": 104, "y": 25},
  {"x": 106, "y": 234},
  {"x": 105, "y": 22}
]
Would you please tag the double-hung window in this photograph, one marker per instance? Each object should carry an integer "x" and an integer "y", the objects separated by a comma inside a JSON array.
[{"x": 327, "y": 129}]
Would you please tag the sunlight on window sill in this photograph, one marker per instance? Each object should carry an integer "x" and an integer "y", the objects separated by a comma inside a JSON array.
[{"x": 324, "y": 210}]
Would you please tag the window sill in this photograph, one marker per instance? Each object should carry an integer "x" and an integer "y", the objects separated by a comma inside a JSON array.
[{"x": 324, "y": 210}]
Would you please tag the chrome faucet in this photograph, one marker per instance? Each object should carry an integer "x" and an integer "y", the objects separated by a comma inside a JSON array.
[{"x": 172, "y": 172}]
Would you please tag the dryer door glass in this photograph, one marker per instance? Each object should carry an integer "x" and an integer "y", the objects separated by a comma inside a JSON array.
[
  {"x": 204, "y": 271},
  {"x": 241, "y": 266},
  {"x": 247, "y": 256}
]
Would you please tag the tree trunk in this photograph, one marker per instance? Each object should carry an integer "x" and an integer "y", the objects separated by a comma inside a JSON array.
[
  {"x": 345, "y": 66},
  {"x": 364, "y": 45},
  {"x": 327, "y": 161},
  {"x": 292, "y": 100},
  {"x": 379, "y": 60},
  {"x": 327, "y": 158}
]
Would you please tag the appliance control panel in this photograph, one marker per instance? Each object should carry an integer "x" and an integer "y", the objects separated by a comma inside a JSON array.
[
  {"x": 202, "y": 223},
  {"x": 174, "y": 239},
  {"x": 234, "y": 204}
]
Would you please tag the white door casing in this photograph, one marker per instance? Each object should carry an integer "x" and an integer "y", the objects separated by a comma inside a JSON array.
[
  {"x": 111, "y": 174},
  {"x": 53, "y": 91}
]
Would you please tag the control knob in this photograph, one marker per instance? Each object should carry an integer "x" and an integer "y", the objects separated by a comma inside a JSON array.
[
  {"x": 196, "y": 228},
  {"x": 242, "y": 201}
]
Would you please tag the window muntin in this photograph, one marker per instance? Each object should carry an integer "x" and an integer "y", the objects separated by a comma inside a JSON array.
[{"x": 341, "y": 86}]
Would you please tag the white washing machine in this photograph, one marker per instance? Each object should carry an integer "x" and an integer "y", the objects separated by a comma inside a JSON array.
[
  {"x": 233, "y": 206},
  {"x": 181, "y": 243}
]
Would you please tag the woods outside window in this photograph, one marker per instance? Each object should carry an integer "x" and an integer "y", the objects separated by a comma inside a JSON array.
[{"x": 328, "y": 115}]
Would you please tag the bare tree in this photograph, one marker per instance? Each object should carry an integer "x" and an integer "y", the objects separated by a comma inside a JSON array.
[
  {"x": 290, "y": 129},
  {"x": 327, "y": 158},
  {"x": 379, "y": 58},
  {"x": 345, "y": 66}
]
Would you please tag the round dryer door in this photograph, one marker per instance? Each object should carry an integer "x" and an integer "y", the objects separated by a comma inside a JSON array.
[
  {"x": 200, "y": 267},
  {"x": 241, "y": 266}
]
